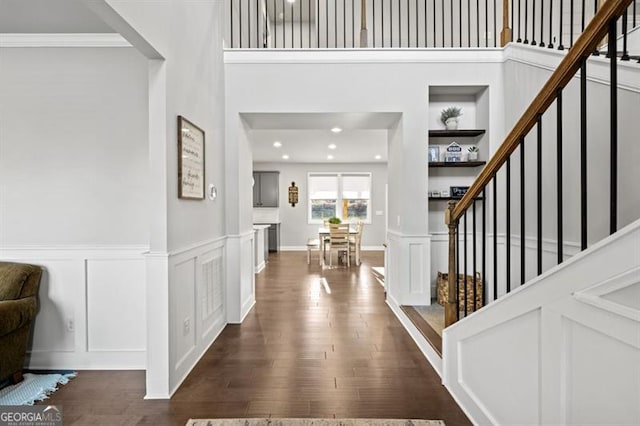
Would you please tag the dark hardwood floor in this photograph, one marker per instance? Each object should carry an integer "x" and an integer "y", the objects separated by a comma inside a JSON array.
[{"x": 317, "y": 344}]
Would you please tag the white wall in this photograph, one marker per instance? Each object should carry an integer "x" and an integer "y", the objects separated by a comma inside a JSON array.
[
  {"x": 295, "y": 229},
  {"x": 73, "y": 147},
  {"x": 361, "y": 81},
  {"x": 73, "y": 198}
]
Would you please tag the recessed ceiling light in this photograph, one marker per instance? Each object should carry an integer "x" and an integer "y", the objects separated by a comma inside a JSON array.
[
  {"x": 277, "y": 144},
  {"x": 332, "y": 146},
  {"x": 336, "y": 130},
  {"x": 291, "y": 1},
  {"x": 285, "y": 157},
  {"x": 377, "y": 157},
  {"x": 329, "y": 157}
]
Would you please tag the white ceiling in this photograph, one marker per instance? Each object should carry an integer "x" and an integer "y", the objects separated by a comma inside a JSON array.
[
  {"x": 305, "y": 137},
  {"x": 49, "y": 16}
]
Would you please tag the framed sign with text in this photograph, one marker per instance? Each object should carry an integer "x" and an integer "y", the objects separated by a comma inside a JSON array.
[{"x": 190, "y": 160}]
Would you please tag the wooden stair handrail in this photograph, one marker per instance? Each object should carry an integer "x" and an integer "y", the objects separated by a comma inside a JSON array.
[{"x": 585, "y": 45}]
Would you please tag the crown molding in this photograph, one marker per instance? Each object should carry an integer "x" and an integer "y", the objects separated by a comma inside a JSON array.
[{"x": 63, "y": 40}]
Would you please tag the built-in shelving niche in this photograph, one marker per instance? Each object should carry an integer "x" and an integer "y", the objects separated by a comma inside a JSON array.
[{"x": 473, "y": 129}]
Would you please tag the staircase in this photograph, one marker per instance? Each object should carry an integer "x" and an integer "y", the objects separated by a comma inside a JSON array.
[{"x": 554, "y": 343}]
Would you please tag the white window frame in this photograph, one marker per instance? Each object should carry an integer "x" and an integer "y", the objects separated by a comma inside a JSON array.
[{"x": 339, "y": 199}]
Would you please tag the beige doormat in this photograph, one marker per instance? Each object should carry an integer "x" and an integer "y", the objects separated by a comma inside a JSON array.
[{"x": 313, "y": 422}]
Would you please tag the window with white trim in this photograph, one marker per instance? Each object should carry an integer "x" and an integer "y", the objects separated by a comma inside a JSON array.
[{"x": 344, "y": 195}]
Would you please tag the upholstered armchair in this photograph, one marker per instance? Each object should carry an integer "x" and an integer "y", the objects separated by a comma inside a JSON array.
[{"x": 19, "y": 285}]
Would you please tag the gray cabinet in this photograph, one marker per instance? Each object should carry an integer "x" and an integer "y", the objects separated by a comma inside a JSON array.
[
  {"x": 265, "y": 189},
  {"x": 274, "y": 237}
]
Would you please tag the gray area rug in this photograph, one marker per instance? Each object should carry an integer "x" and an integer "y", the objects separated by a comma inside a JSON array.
[{"x": 313, "y": 422}]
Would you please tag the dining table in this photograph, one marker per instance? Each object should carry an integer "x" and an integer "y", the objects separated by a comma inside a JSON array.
[{"x": 324, "y": 233}]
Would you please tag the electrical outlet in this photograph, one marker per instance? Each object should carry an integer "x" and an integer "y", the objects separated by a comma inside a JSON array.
[
  {"x": 187, "y": 326},
  {"x": 71, "y": 326},
  {"x": 379, "y": 212}
]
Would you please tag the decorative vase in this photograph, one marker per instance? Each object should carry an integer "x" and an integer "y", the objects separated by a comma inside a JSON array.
[
  {"x": 451, "y": 123},
  {"x": 473, "y": 156}
]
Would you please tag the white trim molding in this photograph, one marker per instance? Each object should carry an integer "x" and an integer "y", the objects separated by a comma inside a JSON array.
[{"x": 63, "y": 40}]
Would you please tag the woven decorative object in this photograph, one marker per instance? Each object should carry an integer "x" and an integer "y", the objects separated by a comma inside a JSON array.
[{"x": 443, "y": 291}]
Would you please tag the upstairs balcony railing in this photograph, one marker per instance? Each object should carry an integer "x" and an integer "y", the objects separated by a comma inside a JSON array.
[{"x": 340, "y": 24}]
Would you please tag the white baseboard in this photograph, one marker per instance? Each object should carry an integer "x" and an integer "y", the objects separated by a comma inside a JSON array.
[{"x": 259, "y": 268}]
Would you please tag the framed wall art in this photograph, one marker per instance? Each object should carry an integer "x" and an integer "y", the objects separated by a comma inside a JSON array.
[{"x": 190, "y": 160}]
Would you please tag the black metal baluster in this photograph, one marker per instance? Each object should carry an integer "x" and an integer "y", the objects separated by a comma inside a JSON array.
[
  {"x": 442, "y": 12},
  {"x": 533, "y": 24},
  {"x": 560, "y": 46},
  {"x": 391, "y": 23},
  {"x": 231, "y": 7},
  {"x": 596, "y": 52},
  {"x": 613, "y": 224},
  {"x": 284, "y": 21},
  {"x": 265, "y": 29},
  {"x": 451, "y": 27},
  {"x": 374, "y": 22},
  {"x": 583, "y": 15},
  {"x": 484, "y": 245},
  {"x": 477, "y": 23},
  {"x": 344, "y": 24},
  {"x": 550, "y": 45},
  {"x": 240, "y": 21},
  {"x": 519, "y": 40},
  {"x": 539, "y": 184},
  {"x": 468, "y": 23},
  {"x": 513, "y": 13},
  {"x": 326, "y": 23},
  {"x": 523, "y": 240},
  {"x": 583, "y": 155},
  {"x": 526, "y": 21},
  {"x": 335, "y": 24},
  {"x": 464, "y": 257},
  {"x": 495, "y": 37},
  {"x": 382, "y": 22},
  {"x": 317, "y": 22},
  {"x": 570, "y": 24},
  {"x": 408, "y": 24},
  {"x": 486, "y": 23},
  {"x": 399, "y": 23},
  {"x": 625, "y": 52},
  {"x": 417, "y": 24},
  {"x": 353, "y": 24},
  {"x": 292, "y": 35},
  {"x": 507, "y": 241},
  {"x": 475, "y": 296},
  {"x": 559, "y": 166},
  {"x": 542, "y": 23},
  {"x": 495, "y": 236},
  {"x": 460, "y": 23},
  {"x": 309, "y": 21},
  {"x": 457, "y": 266},
  {"x": 434, "y": 23}
]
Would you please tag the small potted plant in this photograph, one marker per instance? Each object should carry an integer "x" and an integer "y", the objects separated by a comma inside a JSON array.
[
  {"x": 335, "y": 220},
  {"x": 449, "y": 117},
  {"x": 473, "y": 153}
]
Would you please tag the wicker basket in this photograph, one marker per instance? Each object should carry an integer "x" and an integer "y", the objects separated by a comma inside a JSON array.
[{"x": 443, "y": 291}]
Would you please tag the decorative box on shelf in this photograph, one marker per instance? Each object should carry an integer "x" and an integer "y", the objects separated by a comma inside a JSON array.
[{"x": 453, "y": 153}]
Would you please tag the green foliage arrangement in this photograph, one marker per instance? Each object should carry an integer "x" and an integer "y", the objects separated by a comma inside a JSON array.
[
  {"x": 450, "y": 112},
  {"x": 335, "y": 220}
]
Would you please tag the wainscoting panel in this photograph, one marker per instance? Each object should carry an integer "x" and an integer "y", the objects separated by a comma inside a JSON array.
[
  {"x": 197, "y": 311},
  {"x": 183, "y": 309},
  {"x": 92, "y": 307},
  {"x": 567, "y": 343},
  {"x": 408, "y": 264},
  {"x": 115, "y": 300}
]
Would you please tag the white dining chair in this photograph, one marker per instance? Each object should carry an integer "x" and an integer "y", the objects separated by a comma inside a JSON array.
[{"x": 339, "y": 241}]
